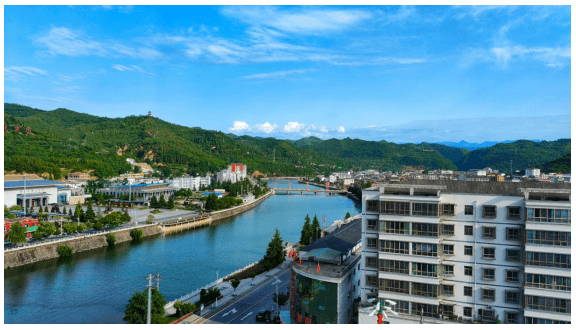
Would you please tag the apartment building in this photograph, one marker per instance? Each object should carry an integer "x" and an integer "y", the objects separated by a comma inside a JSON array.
[{"x": 469, "y": 251}]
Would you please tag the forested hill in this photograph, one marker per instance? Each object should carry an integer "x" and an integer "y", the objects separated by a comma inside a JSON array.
[
  {"x": 523, "y": 153},
  {"x": 63, "y": 140},
  {"x": 560, "y": 165}
]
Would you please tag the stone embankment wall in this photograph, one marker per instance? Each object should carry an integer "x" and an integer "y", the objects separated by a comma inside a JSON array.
[
  {"x": 48, "y": 251},
  {"x": 218, "y": 215}
]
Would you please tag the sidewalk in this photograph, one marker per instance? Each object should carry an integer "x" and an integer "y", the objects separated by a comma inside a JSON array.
[{"x": 228, "y": 294}]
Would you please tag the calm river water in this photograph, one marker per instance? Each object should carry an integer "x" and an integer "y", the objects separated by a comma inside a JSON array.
[{"x": 95, "y": 286}]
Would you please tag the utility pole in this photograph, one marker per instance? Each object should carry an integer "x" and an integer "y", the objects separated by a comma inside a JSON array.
[
  {"x": 24, "y": 202},
  {"x": 149, "y": 315},
  {"x": 158, "y": 282},
  {"x": 274, "y": 158}
]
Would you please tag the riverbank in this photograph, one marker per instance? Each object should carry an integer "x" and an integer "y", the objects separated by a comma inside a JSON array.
[{"x": 36, "y": 253}]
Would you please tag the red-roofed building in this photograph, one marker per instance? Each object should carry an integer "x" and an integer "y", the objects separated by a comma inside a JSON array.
[{"x": 30, "y": 224}]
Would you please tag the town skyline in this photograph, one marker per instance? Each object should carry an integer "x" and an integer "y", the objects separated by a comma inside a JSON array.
[{"x": 400, "y": 74}]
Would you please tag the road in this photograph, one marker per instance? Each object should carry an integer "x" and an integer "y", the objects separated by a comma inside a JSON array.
[{"x": 244, "y": 309}]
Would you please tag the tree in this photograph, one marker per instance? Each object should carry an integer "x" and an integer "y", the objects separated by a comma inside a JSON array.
[
  {"x": 306, "y": 231},
  {"x": 37, "y": 235},
  {"x": 162, "y": 202},
  {"x": 275, "y": 252},
  {"x": 70, "y": 213},
  {"x": 98, "y": 225},
  {"x": 315, "y": 228},
  {"x": 171, "y": 202},
  {"x": 81, "y": 228},
  {"x": 90, "y": 215},
  {"x": 111, "y": 239},
  {"x": 46, "y": 228},
  {"x": 70, "y": 227},
  {"x": 154, "y": 202},
  {"x": 46, "y": 209},
  {"x": 65, "y": 251},
  {"x": 150, "y": 219},
  {"x": 11, "y": 216},
  {"x": 183, "y": 308},
  {"x": 281, "y": 298},
  {"x": 125, "y": 217},
  {"x": 347, "y": 215},
  {"x": 137, "y": 308},
  {"x": 136, "y": 234},
  {"x": 17, "y": 233},
  {"x": 235, "y": 282}
]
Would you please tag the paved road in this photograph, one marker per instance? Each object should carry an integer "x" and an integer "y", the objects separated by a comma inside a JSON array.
[{"x": 243, "y": 310}]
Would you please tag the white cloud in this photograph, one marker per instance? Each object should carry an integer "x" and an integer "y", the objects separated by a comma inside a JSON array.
[
  {"x": 341, "y": 129},
  {"x": 277, "y": 74},
  {"x": 553, "y": 57},
  {"x": 265, "y": 128},
  {"x": 293, "y": 127},
  {"x": 239, "y": 126},
  {"x": 131, "y": 68},
  {"x": 16, "y": 73}
]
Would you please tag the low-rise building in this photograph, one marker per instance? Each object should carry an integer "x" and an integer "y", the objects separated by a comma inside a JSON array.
[
  {"x": 30, "y": 224},
  {"x": 35, "y": 192},
  {"x": 78, "y": 176},
  {"x": 139, "y": 193},
  {"x": 325, "y": 279}
]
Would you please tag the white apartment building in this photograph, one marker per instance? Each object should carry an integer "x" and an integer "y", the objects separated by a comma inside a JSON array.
[
  {"x": 234, "y": 173},
  {"x": 476, "y": 251},
  {"x": 189, "y": 182},
  {"x": 533, "y": 172}
]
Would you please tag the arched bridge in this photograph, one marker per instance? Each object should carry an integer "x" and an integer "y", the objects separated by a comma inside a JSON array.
[{"x": 287, "y": 191}]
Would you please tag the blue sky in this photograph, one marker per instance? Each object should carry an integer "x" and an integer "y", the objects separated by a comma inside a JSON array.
[{"x": 395, "y": 73}]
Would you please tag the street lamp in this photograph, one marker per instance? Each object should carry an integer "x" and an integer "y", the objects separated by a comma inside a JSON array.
[
  {"x": 216, "y": 286},
  {"x": 277, "y": 298}
]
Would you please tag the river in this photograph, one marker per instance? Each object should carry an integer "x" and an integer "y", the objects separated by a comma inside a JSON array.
[{"x": 95, "y": 286}]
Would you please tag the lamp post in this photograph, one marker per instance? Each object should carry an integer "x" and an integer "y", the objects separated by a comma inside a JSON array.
[
  {"x": 217, "y": 285},
  {"x": 277, "y": 298}
]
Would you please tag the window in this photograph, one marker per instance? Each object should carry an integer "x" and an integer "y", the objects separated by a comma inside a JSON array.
[
  {"x": 448, "y": 229},
  {"x": 512, "y": 297},
  {"x": 468, "y": 311},
  {"x": 423, "y": 249},
  {"x": 468, "y": 210},
  {"x": 489, "y": 294},
  {"x": 535, "y": 320},
  {"x": 548, "y": 215},
  {"x": 395, "y": 286},
  {"x": 448, "y": 249},
  {"x": 551, "y": 282},
  {"x": 488, "y": 274},
  {"x": 397, "y": 247},
  {"x": 425, "y": 290},
  {"x": 468, "y": 291},
  {"x": 372, "y": 243},
  {"x": 489, "y": 211},
  {"x": 425, "y": 209},
  {"x": 372, "y": 206},
  {"x": 448, "y": 209},
  {"x": 371, "y": 262},
  {"x": 556, "y": 305},
  {"x": 541, "y": 237},
  {"x": 372, "y": 224},
  {"x": 468, "y": 270},
  {"x": 487, "y": 314},
  {"x": 513, "y": 212},
  {"x": 424, "y": 269},
  {"x": 425, "y": 229},
  {"x": 511, "y": 317},
  {"x": 468, "y": 230},
  {"x": 489, "y": 253},
  {"x": 513, "y": 234},
  {"x": 543, "y": 259},
  {"x": 395, "y": 208},
  {"x": 488, "y": 232},
  {"x": 371, "y": 281},
  {"x": 424, "y": 309},
  {"x": 448, "y": 290},
  {"x": 402, "y": 307},
  {"x": 512, "y": 275},
  {"x": 512, "y": 255},
  {"x": 467, "y": 250},
  {"x": 395, "y": 227},
  {"x": 395, "y": 266},
  {"x": 448, "y": 269}
]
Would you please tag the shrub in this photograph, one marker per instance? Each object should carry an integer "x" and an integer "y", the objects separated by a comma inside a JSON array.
[
  {"x": 16, "y": 207},
  {"x": 65, "y": 251},
  {"x": 136, "y": 234},
  {"x": 111, "y": 239},
  {"x": 37, "y": 235},
  {"x": 11, "y": 216}
]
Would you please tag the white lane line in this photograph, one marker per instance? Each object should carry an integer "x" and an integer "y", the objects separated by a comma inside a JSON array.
[
  {"x": 242, "y": 319},
  {"x": 233, "y": 310}
]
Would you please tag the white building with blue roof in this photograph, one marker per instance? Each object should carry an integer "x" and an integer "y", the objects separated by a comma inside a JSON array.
[{"x": 35, "y": 193}]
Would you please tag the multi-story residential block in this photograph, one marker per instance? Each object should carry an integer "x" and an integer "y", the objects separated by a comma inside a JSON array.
[
  {"x": 234, "y": 173},
  {"x": 481, "y": 251},
  {"x": 189, "y": 182},
  {"x": 533, "y": 172}
]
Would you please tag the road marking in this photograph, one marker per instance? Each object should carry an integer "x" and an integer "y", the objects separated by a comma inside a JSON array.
[
  {"x": 233, "y": 310},
  {"x": 242, "y": 319},
  {"x": 277, "y": 281}
]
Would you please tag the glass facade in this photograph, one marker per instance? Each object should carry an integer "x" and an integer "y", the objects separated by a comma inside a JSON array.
[{"x": 316, "y": 299}]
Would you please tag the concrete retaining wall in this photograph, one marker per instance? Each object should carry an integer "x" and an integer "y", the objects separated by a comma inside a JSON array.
[
  {"x": 49, "y": 251},
  {"x": 218, "y": 215}
]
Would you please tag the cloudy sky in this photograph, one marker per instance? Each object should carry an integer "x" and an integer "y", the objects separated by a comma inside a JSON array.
[{"x": 402, "y": 74}]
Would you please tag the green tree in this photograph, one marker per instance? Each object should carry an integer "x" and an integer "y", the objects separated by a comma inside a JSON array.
[
  {"x": 6, "y": 211},
  {"x": 46, "y": 228},
  {"x": 111, "y": 239},
  {"x": 162, "y": 202},
  {"x": 137, "y": 308},
  {"x": 183, "y": 308},
  {"x": 281, "y": 298},
  {"x": 136, "y": 234},
  {"x": 70, "y": 213},
  {"x": 315, "y": 228},
  {"x": 90, "y": 215},
  {"x": 306, "y": 231},
  {"x": 65, "y": 251},
  {"x": 98, "y": 225},
  {"x": 235, "y": 283},
  {"x": 150, "y": 219},
  {"x": 17, "y": 233},
  {"x": 347, "y": 215},
  {"x": 125, "y": 217},
  {"x": 37, "y": 235},
  {"x": 171, "y": 202},
  {"x": 69, "y": 227},
  {"x": 275, "y": 252},
  {"x": 77, "y": 211},
  {"x": 46, "y": 209},
  {"x": 81, "y": 228},
  {"x": 11, "y": 216},
  {"x": 154, "y": 202}
]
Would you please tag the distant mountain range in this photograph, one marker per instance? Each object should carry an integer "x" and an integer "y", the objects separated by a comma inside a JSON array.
[
  {"x": 63, "y": 140},
  {"x": 474, "y": 146}
]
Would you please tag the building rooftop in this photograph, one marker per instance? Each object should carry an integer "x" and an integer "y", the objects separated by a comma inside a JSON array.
[
  {"x": 343, "y": 239},
  {"x": 30, "y": 183}
]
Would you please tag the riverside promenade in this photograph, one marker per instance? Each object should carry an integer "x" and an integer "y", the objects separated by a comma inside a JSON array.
[{"x": 229, "y": 296}]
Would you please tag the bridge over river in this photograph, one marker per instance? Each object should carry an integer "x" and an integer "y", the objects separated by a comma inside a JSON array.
[{"x": 315, "y": 191}]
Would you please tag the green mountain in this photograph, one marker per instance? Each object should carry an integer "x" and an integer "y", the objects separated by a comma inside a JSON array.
[
  {"x": 523, "y": 153},
  {"x": 560, "y": 165}
]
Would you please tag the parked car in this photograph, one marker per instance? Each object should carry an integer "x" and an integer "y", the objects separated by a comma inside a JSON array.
[{"x": 264, "y": 316}]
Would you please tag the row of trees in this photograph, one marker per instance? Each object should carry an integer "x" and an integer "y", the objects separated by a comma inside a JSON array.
[
  {"x": 213, "y": 203},
  {"x": 161, "y": 203},
  {"x": 310, "y": 231}
]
